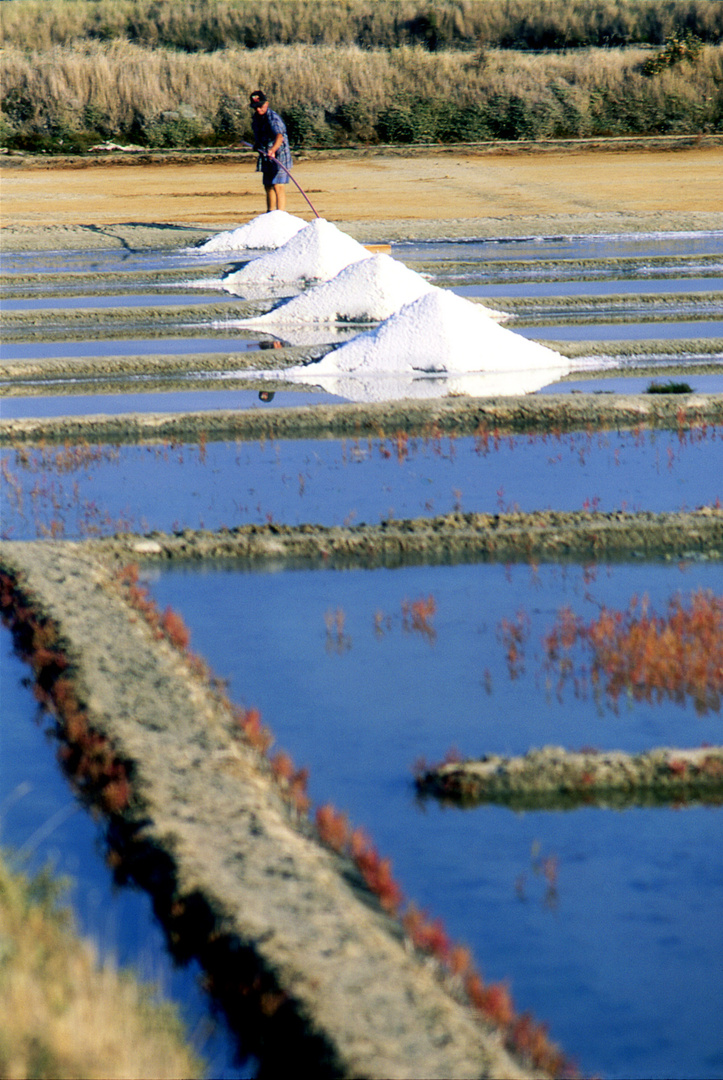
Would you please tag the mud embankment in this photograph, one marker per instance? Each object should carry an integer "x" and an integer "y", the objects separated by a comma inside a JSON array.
[
  {"x": 455, "y": 537},
  {"x": 553, "y": 778},
  {"x": 344, "y": 992},
  {"x": 549, "y": 414}
]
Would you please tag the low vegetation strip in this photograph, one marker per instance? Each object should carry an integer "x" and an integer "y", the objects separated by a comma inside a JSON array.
[
  {"x": 545, "y": 534},
  {"x": 291, "y": 927},
  {"x": 554, "y": 777},
  {"x": 483, "y": 417}
]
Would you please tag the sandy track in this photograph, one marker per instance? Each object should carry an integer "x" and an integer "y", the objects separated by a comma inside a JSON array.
[{"x": 381, "y": 195}]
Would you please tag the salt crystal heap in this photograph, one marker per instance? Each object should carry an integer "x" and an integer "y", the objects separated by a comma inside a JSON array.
[
  {"x": 437, "y": 333},
  {"x": 316, "y": 253},
  {"x": 265, "y": 232},
  {"x": 368, "y": 291}
]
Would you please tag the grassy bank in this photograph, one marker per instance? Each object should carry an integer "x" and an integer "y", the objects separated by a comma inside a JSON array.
[
  {"x": 451, "y": 24},
  {"x": 65, "y": 1015},
  {"x": 71, "y": 96}
]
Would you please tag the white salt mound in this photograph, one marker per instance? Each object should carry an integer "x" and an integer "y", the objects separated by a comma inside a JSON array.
[
  {"x": 368, "y": 291},
  {"x": 316, "y": 253},
  {"x": 438, "y": 332},
  {"x": 267, "y": 231}
]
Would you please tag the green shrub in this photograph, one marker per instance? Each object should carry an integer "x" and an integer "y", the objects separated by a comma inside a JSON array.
[
  {"x": 175, "y": 127},
  {"x": 677, "y": 48},
  {"x": 669, "y": 388},
  {"x": 231, "y": 123},
  {"x": 307, "y": 126}
]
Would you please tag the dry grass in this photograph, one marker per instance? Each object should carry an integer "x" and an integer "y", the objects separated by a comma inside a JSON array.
[
  {"x": 208, "y": 26},
  {"x": 63, "y": 1014},
  {"x": 332, "y": 95}
]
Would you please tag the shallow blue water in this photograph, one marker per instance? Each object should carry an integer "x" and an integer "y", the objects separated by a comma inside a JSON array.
[
  {"x": 627, "y": 331},
  {"x": 174, "y": 346},
  {"x": 105, "y": 489},
  {"x": 604, "y": 246},
  {"x": 116, "y": 300},
  {"x": 610, "y": 287},
  {"x": 622, "y": 958},
  {"x": 159, "y": 401}
]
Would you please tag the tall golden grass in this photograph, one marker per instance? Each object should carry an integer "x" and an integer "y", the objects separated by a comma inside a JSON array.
[
  {"x": 65, "y": 1014},
  {"x": 334, "y": 94},
  {"x": 208, "y": 25}
]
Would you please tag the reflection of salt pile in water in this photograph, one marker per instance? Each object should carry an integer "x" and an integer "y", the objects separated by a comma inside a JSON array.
[
  {"x": 315, "y": 253},
  {"x": 368, "y": 291},
  {"x": 433, "y": 338},
  {"x": 267, "y": 231},
  {"x": 361, "y": 386}
]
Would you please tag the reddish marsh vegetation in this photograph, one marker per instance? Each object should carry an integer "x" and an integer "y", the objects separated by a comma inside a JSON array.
[
  {"x": 86, "y": 755},
  {"x": 492, "y": 1001},
  {"x": 649, "y": 656}
]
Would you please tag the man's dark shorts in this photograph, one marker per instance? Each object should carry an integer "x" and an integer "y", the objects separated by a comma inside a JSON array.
[{"x": 272, "y": 173}]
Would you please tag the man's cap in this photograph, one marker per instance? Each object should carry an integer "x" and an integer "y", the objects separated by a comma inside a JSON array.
[{"x": 258, "y": 97}]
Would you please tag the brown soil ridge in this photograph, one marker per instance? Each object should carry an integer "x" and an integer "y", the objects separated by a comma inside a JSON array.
[
  {"x": 548, "y": 534},
  {"x": 203, "y": 799},
  {"x": 557, "y": 778},
  {"x": 548, "y": 413}
]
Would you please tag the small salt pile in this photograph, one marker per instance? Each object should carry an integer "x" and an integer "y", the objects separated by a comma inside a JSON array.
[
  {"x": 265, "y": 232},
  {"x": 368, "y": 291},
  {"x": 439, "y": 332},
  {"x": 315, "y": 253}
]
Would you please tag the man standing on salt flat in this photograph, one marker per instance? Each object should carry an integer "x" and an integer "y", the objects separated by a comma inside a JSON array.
[{"x": 272, "y": 143}]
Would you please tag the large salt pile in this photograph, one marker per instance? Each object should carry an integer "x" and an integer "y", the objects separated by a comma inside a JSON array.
[
  {"x": 315, "y": 253},
  {"x": 438, "y": 332},
  {"x": 265, "y": 232},
  {"x": 368, "y": 291}
]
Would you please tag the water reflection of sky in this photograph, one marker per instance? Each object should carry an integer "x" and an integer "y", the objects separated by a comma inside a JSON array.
[
  {"x": 602, "y": 246},
  {"x": 610, "y": 287},
  {"x": 332, "y": 481},
  {"x": 625, "y": 949}
]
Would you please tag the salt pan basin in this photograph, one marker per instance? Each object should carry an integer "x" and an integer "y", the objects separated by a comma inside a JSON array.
[{"x": 316, "y": 253}]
